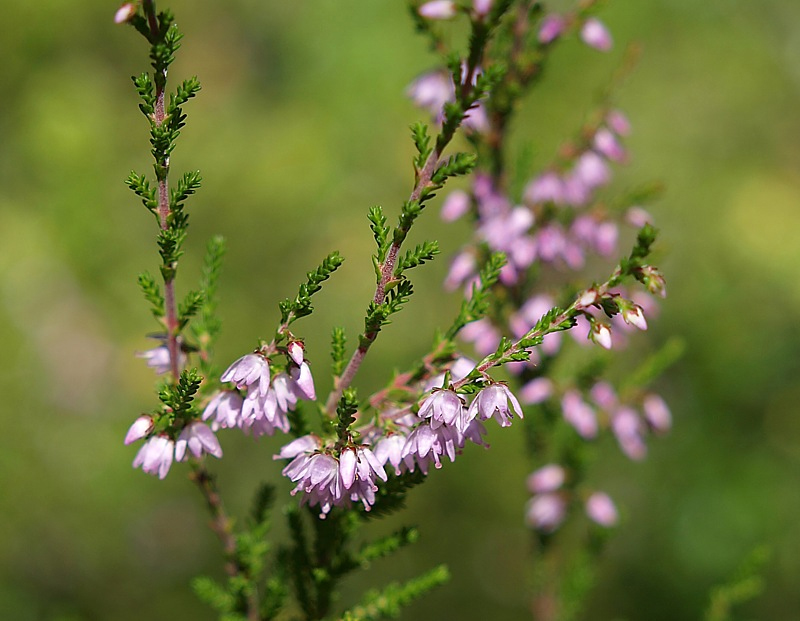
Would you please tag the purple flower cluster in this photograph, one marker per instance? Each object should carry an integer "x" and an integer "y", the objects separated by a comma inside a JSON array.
[
  {"x": 547, "y": 508},
  {"x": 331, "y": 476},
  {"x": 268, "y": 399},
  {"x": 159, "y": 450}
]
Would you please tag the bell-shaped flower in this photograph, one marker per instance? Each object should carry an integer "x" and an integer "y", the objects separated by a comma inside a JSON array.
[
  {"x": 139, "y": 429},
  {"x": 196, "y": 439},
  {"x": 155, "y": 456},
  {"x": 595, "y": 34},
  {"x": 601, "y": 509},
  {"x": 225, "y": 409},
  {"x": 551, "y": 28},
  {"x": 495, "y": 401},
  {"x": 252, "y": 369},
  {"x": 545, "y": 512},
  {"x": 444, "y": 407},
  {"x": 438, "y": 9},
  {"x": 656, "y": 413},
  {"x": 546, "y": 479}
]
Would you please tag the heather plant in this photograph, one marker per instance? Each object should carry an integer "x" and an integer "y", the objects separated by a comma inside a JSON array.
[{"x": 528, "y": 276}]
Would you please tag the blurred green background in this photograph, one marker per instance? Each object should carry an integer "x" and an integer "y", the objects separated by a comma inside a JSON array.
[{"x": 301, "y": 126}]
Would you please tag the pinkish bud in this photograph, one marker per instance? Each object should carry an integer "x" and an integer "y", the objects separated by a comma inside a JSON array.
[
  {"x": 656, "y": 413},
  {"x": 125, "y": 13},
  {"x": 545, "y": 512},
  {"x": 600, "y": 508},
  {"x": 600, "y": 334},
  {"x": 618, "y": 122},
  {"x": 634, "y": 316},
  {"x": 551, "y": 28},
  {"x": 546, "y": 479},
  {"x": 139, "y": 429},
  {"x": 482, "y": 7},
  {"x": 596, "y": 35},
  {"x": 438, "y": 9},
  {"x": 296, "y": 352},
  {"x": 638, "y": 217},
  {"x": 455, "y": 205},
  {"x": 606, "y": 143},
  {"x": 587, "y": 298},
  {"x": 536, "y": 391},
  {"x": 654, "y": 281},
  {"x": 604, "y": 395}
]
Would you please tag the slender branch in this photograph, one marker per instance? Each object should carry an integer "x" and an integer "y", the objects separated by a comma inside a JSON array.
[{"x": 159, "y": 116}]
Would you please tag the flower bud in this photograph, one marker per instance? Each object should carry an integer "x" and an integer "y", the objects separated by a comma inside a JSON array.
[
  {"x": 139, "y": 429},
  {"x": 455, "y": 205},
  {"x": 551, "y": 28},
  {"x": 601, "y": 334},
  {"x": 596, "y": 35},
  {"x": 482, "y": 7},
  {"x": 634, "y": 316},
  {"x": 601, "y": 509},
  {"x": 546, "y": 479},
  {"x": 438, "y": 9},
  {"x": 125, "y": 13}
]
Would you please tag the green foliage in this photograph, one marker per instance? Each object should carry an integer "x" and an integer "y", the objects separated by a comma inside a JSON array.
[
  {"x": 213, "y": 594},
  {"x": 422, "y": 141},
  {"x": 380, "y": 231},
  {"x": 207, "y": 326},
  {"x": 338, "y": 350},
  {"x": 391, "y": 496},
  {"x": 189, "y": 307},
  {"x": 142, "y": 188},
  {"x": 456, "y": 165},
  {"x": 386, "y": 545},
  {"x": 477, "y": 305},
  {"x": 391, "y": 599},
  {"x": 179, "y": 397},
  {"x": 421, "y": 254},
  {"x": 378, "y": 314},
  {"x": 147, "y": 93},
  {"x": 345, "y": 413},
  {"x": 152, "y": 293},
  {"x": 301, "y": 306},
  {"x": 188, "y": 184},
  {"x": 746, "y": 585}
]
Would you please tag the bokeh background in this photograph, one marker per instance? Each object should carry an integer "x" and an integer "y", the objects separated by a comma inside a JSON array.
[{"x": 301, "y": 126}]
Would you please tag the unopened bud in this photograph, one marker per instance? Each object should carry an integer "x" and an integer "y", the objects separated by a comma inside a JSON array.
[
  {"x": 596, "y": 35},
  {"x": 125, "y": 13},
  {"x": 601, "y": 334},
  {"x": 438, "y": 9}
]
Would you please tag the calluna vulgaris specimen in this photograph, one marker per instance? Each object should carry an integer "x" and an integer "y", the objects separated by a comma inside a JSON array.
[{"x": 352, "y": 458}]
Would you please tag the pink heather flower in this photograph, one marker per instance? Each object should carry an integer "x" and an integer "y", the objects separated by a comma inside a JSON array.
[
  {"x": 262, "y": 415},
  {"x": 656, "y": 413},
  {"x": 576, "y": 192},
  {"x": 438, "y": 9},
  {"x": 431, "y": 91},
  {"x": 303, "y": 444},
  {"x": 157, "y": 358},
  {"x": 548, "y": 478},
  {"x": 579, "y": 414},
  {"x": 360, "y": 464},
  {"x": 225, "y": 409},
  {"x": 596, "y": 35},
  {"x": 455, "y": 205},
  {"x": 476, "y": 119},
  {"x": 390, "y": 449},
  {"x": 125, "y": 13},
  {"x": 604, "y": 395},
  {"x": 545, "y": 512},
  {"x": 588, "y": 298},
  {"x": 495, "y": 401},
  {"x": 638, "y": 217},
  {"x": 444, "y": 407},
  {"x": 536, "y": 391},
  {"x": 197, "y": 438},
  {"x": 296, "y": 352},
  {"x": 550, "y": 242},
  {"x": 425, "y": 445},
  {"x": 606, "y": 143},
  {"x": 155, "y": 456},
  {"x": 605, "y": 238},
  {"x": 303, "y": 385},
  {"x": 551, "y": 28},
  {"x": 592, "y": 170},
  {"x": 547, "y": 187},
  {"x": 634, "y": 315},
  {"x": 139, "y": 429},
  {"x": 461, "y": 268},
  {"x": 482, "y": 7},
  {"x": 600, "y": 334},
  {"x": 628, "y": 430},
  {"x": 618, "y": 122},
  {"x": 600, "y": 509},
  {"x": 483, "y": 335},
  {"x": 247, "y": 370}
]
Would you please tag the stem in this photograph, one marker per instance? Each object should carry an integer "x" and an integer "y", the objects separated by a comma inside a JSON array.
[
  {"x": 387, "y": 269},
  {"x": 222, "y": 525},
  {"x": 162, "y": 172}
]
